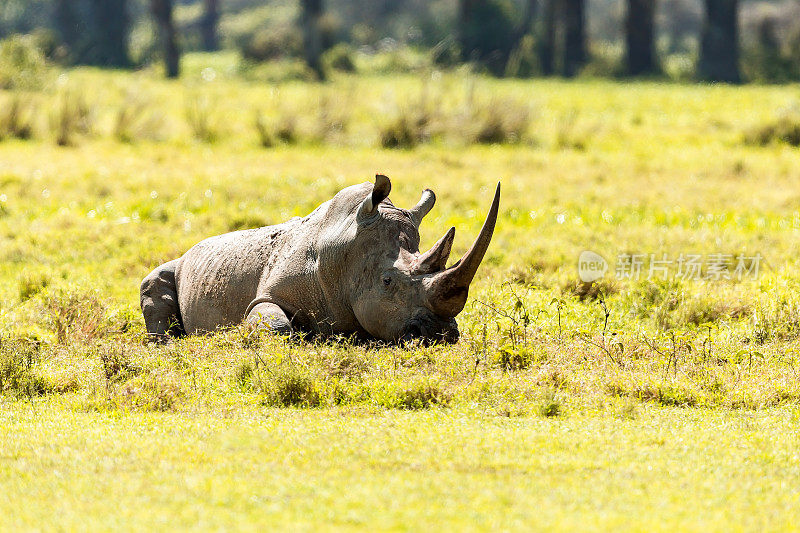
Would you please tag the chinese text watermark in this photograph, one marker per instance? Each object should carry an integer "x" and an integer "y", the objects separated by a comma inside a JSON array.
[{"x": 691, "y": 267}]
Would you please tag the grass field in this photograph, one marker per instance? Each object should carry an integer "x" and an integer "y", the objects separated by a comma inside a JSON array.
[{"x": 637, "y": 403}]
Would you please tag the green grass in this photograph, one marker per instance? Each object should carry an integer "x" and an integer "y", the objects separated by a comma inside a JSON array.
[
  {"x": 243, "y": 468},
  {"x": 680, "y": 412}
]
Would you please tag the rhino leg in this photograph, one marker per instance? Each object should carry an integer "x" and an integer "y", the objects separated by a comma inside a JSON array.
[
  {"x": 159, "y": 300},
  {"x": 270, "y": 314}
]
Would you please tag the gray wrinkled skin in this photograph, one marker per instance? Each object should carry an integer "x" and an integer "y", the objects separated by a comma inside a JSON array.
[{"x": 350, "y": 268}]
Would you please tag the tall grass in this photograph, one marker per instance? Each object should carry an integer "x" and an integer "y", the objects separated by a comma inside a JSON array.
[
  {"x": 71, "y": 118},
  {"x": 16, "y": 118}
]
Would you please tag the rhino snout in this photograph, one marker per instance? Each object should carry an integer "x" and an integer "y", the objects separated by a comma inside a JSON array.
[{"x": 431, "y": 330}]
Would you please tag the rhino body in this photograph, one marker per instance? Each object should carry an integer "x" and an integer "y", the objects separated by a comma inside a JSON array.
[{"x": 351, "y": 267}]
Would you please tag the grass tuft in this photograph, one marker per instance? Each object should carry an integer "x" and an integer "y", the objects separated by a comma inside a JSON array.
[
  {"x": 551, "y": 405},
  {"x": 418, "y": 394},
  {"x": 290, "y": 387},
  {"x": 201, "y": 118},
  {"x": 785, "y": 130},
  {"x": 31, "y": 284},
  {"x": 71, "y": 118},
  {"x": 499, "y": 121},
  {"x": 16, "y": 119},
  {"x": 117, "y": 367},
  {"x": 407, "y": 129}
]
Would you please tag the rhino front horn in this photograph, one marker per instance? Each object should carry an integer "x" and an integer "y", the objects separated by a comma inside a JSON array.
[{"x": 448, "y": 290}]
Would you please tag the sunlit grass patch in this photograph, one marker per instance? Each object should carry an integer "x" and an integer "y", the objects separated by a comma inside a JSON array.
[
  {"x": 155, "y": 390},
  {"x": 75, "y": 315},
  {"x": 21, "y": 373}
]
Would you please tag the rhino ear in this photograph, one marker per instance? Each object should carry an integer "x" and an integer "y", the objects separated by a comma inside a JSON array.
[{"x": 380, "y": 191}]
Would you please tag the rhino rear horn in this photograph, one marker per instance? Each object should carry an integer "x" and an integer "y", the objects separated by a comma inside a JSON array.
[
  {"x": 435, "y": 259},
  {"x": 380, "y": 191},
  {"x": 422, "y": 208},
  {"x": 448, "y": 290}
]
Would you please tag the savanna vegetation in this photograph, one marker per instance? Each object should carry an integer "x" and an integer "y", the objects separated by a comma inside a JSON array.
[{"x": 645, "y": 403}]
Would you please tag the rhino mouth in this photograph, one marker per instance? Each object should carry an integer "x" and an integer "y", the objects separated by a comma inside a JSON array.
[{"x": 430, "y": 330}]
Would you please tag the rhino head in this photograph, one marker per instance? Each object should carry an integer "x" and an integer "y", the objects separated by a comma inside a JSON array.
[{"x": 396, "y": 292}]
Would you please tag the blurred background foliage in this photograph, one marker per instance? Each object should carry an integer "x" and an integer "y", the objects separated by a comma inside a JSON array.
[{"x": 713, "y": 40}]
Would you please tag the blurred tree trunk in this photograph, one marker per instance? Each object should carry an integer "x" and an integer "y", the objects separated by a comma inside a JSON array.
[
  {"x": 526, "y": 26},
  {"x": 312, "y": 35},
  {"x": 719, "y": 44},
  {"x": 574, "y": 36},
  {"x": 162, "y": 12},
  {"x": 209, "y": 24},
  {"x": 547, "y": 43},
  {"x": 487, "y": 33},
  {"x": 465, "y": 9},
  {"x": 111, "y": 28},
  {"x": 95, "y": 31},
  {"x": 640, "y": 54},
  {"x": 67, "y": 23}
]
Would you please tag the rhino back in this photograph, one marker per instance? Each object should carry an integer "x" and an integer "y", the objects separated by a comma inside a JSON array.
[{"x": 219, "y": 277}]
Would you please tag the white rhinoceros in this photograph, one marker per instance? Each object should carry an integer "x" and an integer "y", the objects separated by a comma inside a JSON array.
[{"x": 351, "y": 267}]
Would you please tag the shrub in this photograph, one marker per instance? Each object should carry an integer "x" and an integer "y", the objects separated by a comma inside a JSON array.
[
  {"x": 17, "y": 370},
  {"x": 503, "y": 124},
  {"x": 273, "y": 43},
  {"x": 156, "y": 391},
  {"x": 117, "y": 367},
  {"x": 550, "y": 405},
  {"x": 340, "y": 58},
  {"x": 22, "y": 64},
  {"x": 778, "y": 320},
  {"x": 75, "y": 316},
  {"x": 785, "y": 129}
]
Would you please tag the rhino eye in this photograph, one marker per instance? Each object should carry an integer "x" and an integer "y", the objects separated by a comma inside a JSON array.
[{"x": 387, "y": 281}]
